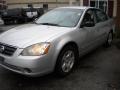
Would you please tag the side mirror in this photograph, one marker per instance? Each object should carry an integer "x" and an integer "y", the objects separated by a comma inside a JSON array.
[
  {"x": 88, "y": 24},
  {"x": 34, "y": 20}
]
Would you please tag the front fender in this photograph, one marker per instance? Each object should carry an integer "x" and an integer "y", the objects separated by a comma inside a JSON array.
[{"x": 58, "y": 46}]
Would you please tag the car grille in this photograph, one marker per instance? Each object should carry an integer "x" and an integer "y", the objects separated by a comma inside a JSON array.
[{"x": 8, "y": 50}]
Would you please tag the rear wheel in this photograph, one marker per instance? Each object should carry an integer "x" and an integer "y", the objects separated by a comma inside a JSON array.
[
  {"x": 109, "y": 39},
  {"x": 66, "y": 61}
]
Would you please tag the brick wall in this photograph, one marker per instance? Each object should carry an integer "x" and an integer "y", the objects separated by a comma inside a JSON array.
[
  {"x": 118, "y": 15},
  {"x": 85, "y": 2},
  {"x": 3, "y": 4},
  {"x": 38, "y": 3}
]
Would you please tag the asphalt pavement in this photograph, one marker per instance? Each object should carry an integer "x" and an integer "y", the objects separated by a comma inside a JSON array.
[{"x": 98, "y": 70}]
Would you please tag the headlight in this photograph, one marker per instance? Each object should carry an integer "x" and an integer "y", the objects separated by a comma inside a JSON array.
[{"x": 36, "y": 49}]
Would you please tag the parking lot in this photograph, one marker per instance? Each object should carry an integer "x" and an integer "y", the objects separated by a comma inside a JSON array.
[{"x": 98, "y": 70}]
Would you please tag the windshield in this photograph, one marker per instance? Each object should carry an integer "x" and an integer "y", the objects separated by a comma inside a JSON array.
[{"x": 61, "y": 17}]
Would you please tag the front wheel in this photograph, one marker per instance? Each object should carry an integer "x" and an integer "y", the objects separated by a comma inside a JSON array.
[{"x": 66, "y": 61}]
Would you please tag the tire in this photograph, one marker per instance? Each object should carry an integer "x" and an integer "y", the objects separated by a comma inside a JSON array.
[
  {"x": 109, "y": 39},
  {"x": 66, "y": 61}
]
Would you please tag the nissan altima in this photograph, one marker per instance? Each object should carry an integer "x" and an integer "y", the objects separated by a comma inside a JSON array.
[{"x": 55, "y": 41}]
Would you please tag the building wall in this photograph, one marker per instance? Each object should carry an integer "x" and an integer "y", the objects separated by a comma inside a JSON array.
[
  {"x": 3, "y": 4},
  {"x": 111, "y": 9},
  {"x": 39, "y": 3},
  {"x": 115, "y": 8},
  {"x": 86, "y": 2},
  {"x": 118, "y": 15}
]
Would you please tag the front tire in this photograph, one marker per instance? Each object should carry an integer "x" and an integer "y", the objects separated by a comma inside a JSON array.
[{"x": 66, "y": 61}]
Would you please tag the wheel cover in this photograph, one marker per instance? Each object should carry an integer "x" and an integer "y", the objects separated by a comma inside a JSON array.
[{"x": 68, "y": 61}]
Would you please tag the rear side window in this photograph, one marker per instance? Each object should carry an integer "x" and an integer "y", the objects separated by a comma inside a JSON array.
[{"x": 101, "y": 16}]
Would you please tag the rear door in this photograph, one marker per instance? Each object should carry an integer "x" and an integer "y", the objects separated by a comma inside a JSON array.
[
  {"x": 102, "y": 26},
  {"x": 89, "y": 31}
]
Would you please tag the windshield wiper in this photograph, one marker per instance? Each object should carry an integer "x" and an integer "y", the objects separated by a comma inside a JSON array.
[{"x": 51, "y": 24}]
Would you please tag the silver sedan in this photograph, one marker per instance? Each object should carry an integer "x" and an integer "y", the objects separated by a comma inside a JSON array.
[{"x": 55, "y": 41}]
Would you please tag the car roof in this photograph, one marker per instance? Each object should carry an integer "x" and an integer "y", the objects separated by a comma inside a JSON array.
[{"x": 77, "y": 7}]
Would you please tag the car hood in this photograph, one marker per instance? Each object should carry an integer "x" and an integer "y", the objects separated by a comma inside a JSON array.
[{"x": 29, "y": 34}]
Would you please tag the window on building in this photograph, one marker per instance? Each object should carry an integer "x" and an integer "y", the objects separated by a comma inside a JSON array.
[
  {"x": 94, "y": 3},
  {"x": 102, "y": 4}
]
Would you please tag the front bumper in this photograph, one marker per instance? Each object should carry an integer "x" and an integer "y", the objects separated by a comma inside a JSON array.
[{"x": 28, "y": 65}]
